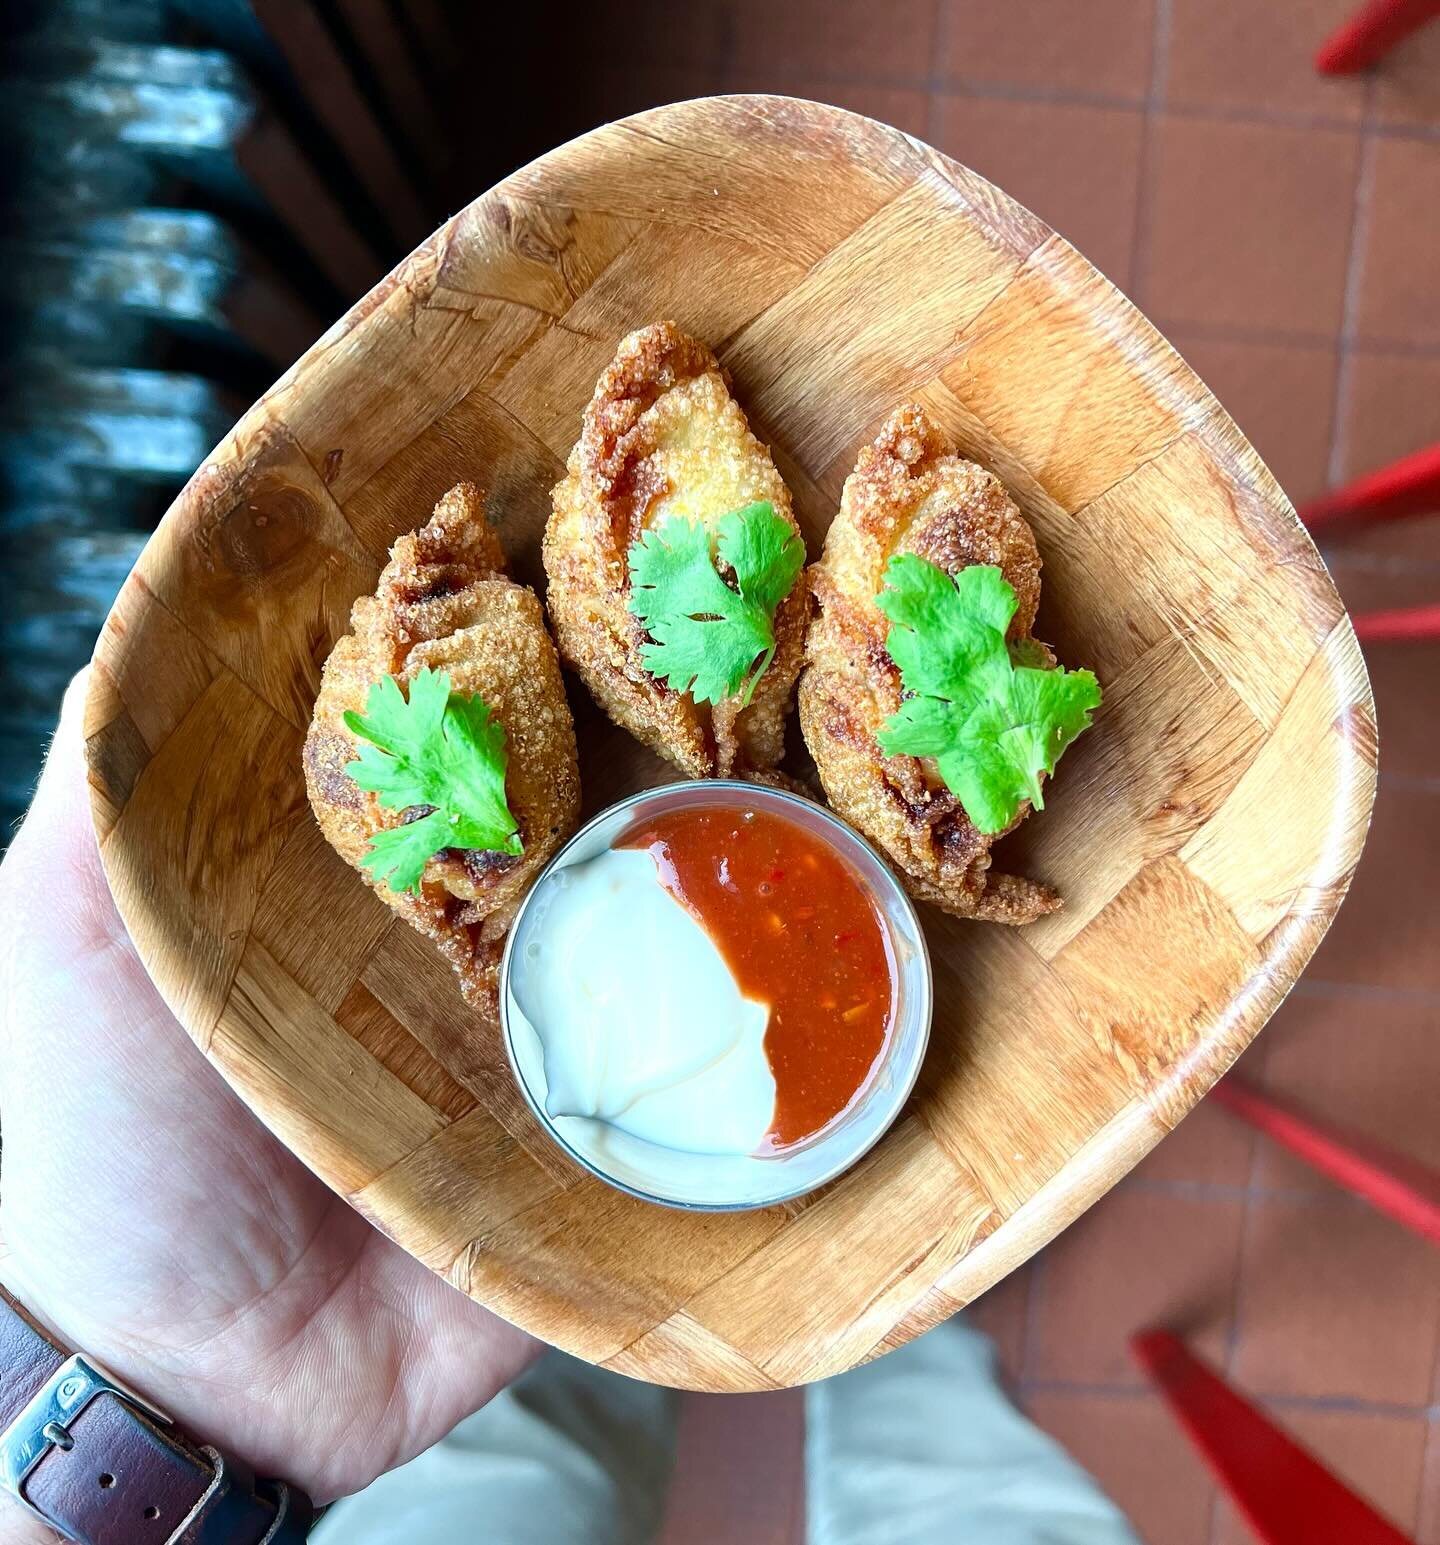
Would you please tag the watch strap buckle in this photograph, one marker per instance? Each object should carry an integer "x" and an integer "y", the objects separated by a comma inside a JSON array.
[{"x": 44, "y": 1421}]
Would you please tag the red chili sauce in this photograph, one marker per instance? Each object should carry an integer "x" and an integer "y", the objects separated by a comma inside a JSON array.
[{"x": 798, "y": 931}]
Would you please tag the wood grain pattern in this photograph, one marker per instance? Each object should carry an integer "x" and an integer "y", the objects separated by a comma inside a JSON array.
[{"x": 1203, "y": 834}]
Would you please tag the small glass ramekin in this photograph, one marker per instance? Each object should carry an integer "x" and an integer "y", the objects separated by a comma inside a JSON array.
[{"x": 726, "y": 1182}]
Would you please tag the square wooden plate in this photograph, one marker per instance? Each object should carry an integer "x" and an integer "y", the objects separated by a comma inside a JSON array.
[{"x": 1202, "y": 835}]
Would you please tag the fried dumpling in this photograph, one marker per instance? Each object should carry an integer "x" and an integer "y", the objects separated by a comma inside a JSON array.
[
  {"x": 444, "y": 603},
  {"x": 663, "y": 437},
  {"x": 909, "y": 494}
]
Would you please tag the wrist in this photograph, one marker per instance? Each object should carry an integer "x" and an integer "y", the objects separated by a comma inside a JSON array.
[
  {"x": 89, "y": 1451},
  {"x": 193, "y": 1383}
]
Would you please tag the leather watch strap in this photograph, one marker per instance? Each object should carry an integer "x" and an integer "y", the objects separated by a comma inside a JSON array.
[{"x": 109, "y": 1470}]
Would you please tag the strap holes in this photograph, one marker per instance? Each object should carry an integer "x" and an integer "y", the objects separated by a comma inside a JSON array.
[
  {"x": 107, "y": 1480},
  {"x": 152, "y": 1512}
]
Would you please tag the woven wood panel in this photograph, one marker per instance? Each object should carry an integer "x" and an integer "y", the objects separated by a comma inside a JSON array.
[{"x": 1202, "y": 835}]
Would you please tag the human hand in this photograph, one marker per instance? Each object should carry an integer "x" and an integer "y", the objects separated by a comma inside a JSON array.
[{"x": 152, "y": 1222}]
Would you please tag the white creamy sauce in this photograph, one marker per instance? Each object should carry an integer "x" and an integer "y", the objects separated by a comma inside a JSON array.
[{"x": 650, "y": 1053}]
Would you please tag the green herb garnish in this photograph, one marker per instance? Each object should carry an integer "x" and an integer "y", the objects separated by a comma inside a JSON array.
[
  {"x": 706, "y": 634},
  {"x": 439, "y": 748},
  {"x": 992, "y": 719}
]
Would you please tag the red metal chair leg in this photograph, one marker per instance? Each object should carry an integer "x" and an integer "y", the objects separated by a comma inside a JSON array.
[
  {"x": 1371, "y": 33},
  {"x": 1410, "y": 486},
  {"x": 1400, "y": 1187},
  {"x": 1285, "y": 1493}
]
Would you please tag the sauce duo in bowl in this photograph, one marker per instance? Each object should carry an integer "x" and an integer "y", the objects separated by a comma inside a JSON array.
[{"x": 716, "y": 996}]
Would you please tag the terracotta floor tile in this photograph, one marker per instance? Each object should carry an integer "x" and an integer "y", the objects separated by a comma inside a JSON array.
[
  {"x": 1395, "y": 546},
  {"x": 739, "y": 1472},
  {"x": 907, "y": 107},
  {"x": 1100, "y": 48},
  {"x": 1377, "y": 1455},
  {"x": 1407, "y": 82},
  {"x": 1367, "y": 580},
  {"x": 1367, "y": 1063},
  {"x": 1392, "y": 407},
  {"x": 1138, "y": 1258},
  {"x": 1406, "y": 681},
  {"x": 1001, "y": 1314},
  {"x": 1078, "y": 168},
  {"x": 858, "y": 38},
  {"x": 1135, "y": 1449},
  {"x": 1335, "y": 1300},
  {"x": 1209, "y": 1147},
  {"x": 1401, "y": 257},
  {"x": 1428, "y": 1528},
  {"x": 1281, "y": 395},
  {"x": 1249, "y": 225},
  {"x": 1385, "y": 933},
  {"x": 1238, "y": 55}
]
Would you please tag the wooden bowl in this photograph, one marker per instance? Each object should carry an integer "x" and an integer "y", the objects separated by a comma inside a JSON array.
[{"x": 1203, "y": 834}]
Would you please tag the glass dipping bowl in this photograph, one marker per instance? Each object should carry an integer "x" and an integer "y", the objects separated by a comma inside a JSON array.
[{"x": 734, "y": 1182}]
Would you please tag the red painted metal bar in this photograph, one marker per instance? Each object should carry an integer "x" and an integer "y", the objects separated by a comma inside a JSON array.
[
  {"x": 1371, "y": 33},
  {"x": 1406, "y": 623},
  {"x": 1399, "y": 1186},
  {"x": 1410, "y": 486},
  {"x": 1287, "y": 1496}
]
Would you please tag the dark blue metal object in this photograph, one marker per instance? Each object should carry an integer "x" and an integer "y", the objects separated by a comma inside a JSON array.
[
  {"x": 141, "y": 304},
  {"x": 114, "y": 437},
  {"x": 189, "y": 191},
  {"x": 193, "y": 119},
  {"x": 167, "y": 275}
]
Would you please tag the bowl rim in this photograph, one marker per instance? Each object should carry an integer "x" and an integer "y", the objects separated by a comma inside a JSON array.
[{"x": 895, "y": 896}]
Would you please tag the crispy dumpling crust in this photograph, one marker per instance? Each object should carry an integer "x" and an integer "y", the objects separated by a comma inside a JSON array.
[
  {"x": 661, "y": 436},
  {"x": 909, "y": 494},
  {"x": 444, "y": 601}
]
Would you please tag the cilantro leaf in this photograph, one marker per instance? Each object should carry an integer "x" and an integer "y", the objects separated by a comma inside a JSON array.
[
  {"x": 398, "y": 854},
  {"x": 763, "y": 550},
  {"x": 945, "y": 631},
  {"x": 439, "y": 748},
  {"x": 993, "y": 717},
  {"x": 923, "y": 726},
  {"x": 706, "y": 636}
]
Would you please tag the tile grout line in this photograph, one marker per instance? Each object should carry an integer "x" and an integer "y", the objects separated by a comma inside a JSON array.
[
  {"x": 1221, "y": 332},
  {"x": 1354, "y": 274},
  {"x": 1429, "y": 1465},
  {"x": 1145, "y": 162},
  {"x": 1344, "y": 1405},
  {"x": 1435, "y": 1380},
  {"x": 1347, "y": 555},
  {"x": 1410, "y": 783},
  {"x": 1242, "y": 1255},
  {"x": 964, "y": 86},
  {"x": 939, "y": 47},
  {"x": 1430, "y": 1459},
  {"x": 1321, "y": 988}
]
